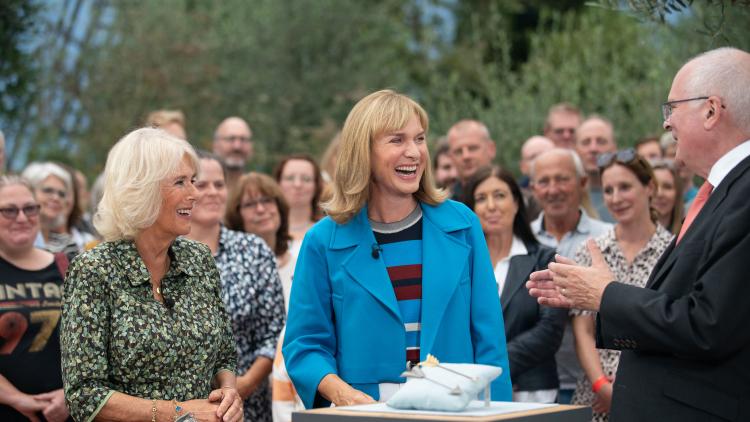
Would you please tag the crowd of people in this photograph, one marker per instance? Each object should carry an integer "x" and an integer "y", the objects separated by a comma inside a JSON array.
[{"x": 195, "y": 286}]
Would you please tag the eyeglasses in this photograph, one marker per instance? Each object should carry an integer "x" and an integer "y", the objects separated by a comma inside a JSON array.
[
  {"x": 11, "y": 213},
  {"x": 253, "y": 203},
  {"x": 666, "y": 108},
  {"x": 623, "y": 156},
  {"x": 50, "y": 190}
]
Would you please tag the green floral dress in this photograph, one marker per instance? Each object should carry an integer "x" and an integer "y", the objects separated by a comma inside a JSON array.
[{"x": 116, "y": 337}]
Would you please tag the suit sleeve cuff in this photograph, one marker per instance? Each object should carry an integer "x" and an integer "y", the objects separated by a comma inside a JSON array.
[{"x": 607, "y": 306}]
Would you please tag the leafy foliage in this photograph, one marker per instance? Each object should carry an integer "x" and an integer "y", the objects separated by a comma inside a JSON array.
[
  {"x": 600, "y": 60},
  {"x": 605, "y": 61},
  {"x": 17, "y": 71},
  {"x": 294, "y": 68}
]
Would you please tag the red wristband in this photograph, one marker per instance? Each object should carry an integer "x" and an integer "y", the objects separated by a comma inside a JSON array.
[{"x": 599, "y": 383}]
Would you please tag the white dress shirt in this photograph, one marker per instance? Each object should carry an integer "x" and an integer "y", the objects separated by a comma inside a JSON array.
[
  {"x": 727, "y": 162},
  {"x": 501, "y": 269}
]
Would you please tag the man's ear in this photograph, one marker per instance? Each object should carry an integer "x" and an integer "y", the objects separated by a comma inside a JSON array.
[
  {"x": 713, "y": 113},
  {"x": 492, "y": 149}
]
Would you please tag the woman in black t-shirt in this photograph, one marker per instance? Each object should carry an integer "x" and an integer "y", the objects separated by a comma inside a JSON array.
[{"x": 30, "y": 298}]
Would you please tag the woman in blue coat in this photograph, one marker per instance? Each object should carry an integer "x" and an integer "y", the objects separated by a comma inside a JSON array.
[{"x": 393, "y": 273}]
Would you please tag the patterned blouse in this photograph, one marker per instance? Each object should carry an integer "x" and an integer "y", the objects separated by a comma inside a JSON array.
[
  {"x": 636, "y": 274},
  {"x": 116, "y": 337},
  {"x": 252, "y": 293}
]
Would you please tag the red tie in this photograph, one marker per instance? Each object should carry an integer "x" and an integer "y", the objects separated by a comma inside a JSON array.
[{"x": 700, "y": 200}]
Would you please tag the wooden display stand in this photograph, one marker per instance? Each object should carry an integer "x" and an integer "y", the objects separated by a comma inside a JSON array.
[{"x": 561, "y": 413}]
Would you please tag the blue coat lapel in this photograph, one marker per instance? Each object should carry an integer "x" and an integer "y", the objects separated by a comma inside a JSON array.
[
  {"x": 444, "y": 261},
  {"x": 360, "y": 265}
]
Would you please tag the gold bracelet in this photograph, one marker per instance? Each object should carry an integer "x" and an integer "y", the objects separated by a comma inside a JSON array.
[{"x": 153, "y": 410}]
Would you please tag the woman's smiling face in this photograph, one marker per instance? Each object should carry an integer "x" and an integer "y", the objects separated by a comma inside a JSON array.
[{"x": 398, "y": 161}]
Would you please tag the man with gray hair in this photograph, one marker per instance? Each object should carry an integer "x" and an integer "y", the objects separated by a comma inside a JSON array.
[
  {"x": 53, "y": 189},
  {"x": 558, "y": 181},
  {"x": 684, "y": 337},
  {"x": 233, "y": 142}
]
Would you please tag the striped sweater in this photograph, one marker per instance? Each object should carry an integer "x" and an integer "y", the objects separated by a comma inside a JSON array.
[{"x": 400, "y": 245}]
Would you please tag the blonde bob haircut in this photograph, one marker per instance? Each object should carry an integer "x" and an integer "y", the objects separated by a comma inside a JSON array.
[
  {"x": 376, "y": 114},
  {"x": 136, "y": 167}
]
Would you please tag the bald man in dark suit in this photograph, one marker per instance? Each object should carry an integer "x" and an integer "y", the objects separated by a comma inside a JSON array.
[{"x": 685, "y": 337}]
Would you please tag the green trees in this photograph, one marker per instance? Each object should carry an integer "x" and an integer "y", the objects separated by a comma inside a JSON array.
[
  {"x": 605, "y": 61},
  {"x": 17, "y": 70},
  {"x": 293, "y": 68}
]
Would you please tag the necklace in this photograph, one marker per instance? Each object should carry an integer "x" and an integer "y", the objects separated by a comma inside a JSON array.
[{"x": 166, "y": 269}]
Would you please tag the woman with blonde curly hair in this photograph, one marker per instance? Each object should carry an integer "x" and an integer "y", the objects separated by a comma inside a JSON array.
[{"x": 144, "y": 332}]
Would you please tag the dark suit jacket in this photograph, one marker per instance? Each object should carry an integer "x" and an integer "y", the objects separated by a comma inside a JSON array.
[
  {"x": 686, "y": 336},
  {"x": 533, "y": 333}
]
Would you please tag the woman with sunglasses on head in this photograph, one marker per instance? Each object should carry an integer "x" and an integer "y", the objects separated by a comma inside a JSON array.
[
  {"x": 250, "y": 287},
  {"x": 631, "y": 249},
  {"x": 31, "y": 281}
]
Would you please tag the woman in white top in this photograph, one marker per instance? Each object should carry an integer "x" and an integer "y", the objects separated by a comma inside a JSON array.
[{"x": 533, "y": 332}]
